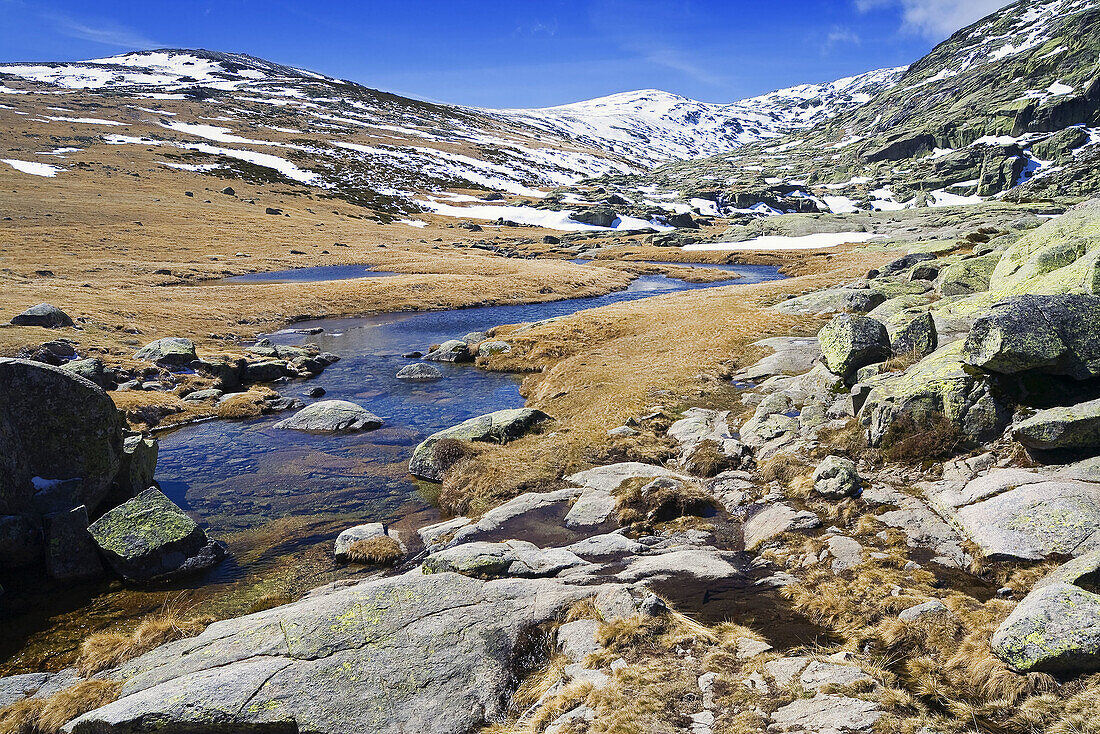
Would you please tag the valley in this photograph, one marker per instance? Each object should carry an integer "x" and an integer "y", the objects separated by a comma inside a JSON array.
[{"x": 327, "y": 409}]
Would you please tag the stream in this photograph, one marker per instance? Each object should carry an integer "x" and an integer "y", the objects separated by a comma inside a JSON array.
[{"x": 278, "y": 498}]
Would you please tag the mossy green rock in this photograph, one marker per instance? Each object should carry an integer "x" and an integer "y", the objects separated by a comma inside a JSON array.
[
  {"x": 1053, "y": 630},
  {"x": 1048, "y": 334},
  {"x": 940, "y": 385},
  {"x": 918, "y": 337},
  {"x": 1059, "y": 257},
  {"x": 968, "y": 276},
  {"x": 149, "y": 538},
  {"x": 849, "y": 342},
  {"x": 1074, "y": 427},
  {"x": 499, "y": 427}
]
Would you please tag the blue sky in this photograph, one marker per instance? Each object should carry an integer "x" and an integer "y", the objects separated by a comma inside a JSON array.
[{"x": 521, "y": 53}]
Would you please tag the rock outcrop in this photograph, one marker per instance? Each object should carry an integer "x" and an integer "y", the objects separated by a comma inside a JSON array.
[
  {"x": 1053, "y": 335},
  {"x": 168, "y": 352},
  {"x": 149, "y": 538},
  {"x": 1055, "y": 629},
  {"x": 44, "y": 315},
  {"x": 438, "y": 653},
  {"x": 1074, "y": 427},
  {"x": 849, "y": 342}
]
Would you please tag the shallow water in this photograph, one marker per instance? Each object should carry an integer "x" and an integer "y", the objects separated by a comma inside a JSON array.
[
  {"x": 728, "y": 267},
  {"x": 305, "y": 275},
  {"x": 238, "y": 475}
]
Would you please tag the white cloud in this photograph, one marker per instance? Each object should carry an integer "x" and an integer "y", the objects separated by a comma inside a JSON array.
[
  {"x": 840, "y": 36},
  {"x": 935, "y": 19},
  {"x": 108, "y": 34}
]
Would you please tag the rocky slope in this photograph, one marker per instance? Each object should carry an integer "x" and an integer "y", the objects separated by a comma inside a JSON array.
[{"x": 1010, "y": 103}]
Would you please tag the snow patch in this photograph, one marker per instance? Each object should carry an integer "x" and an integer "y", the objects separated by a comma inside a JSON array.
[{"x": 780, "y": 242}]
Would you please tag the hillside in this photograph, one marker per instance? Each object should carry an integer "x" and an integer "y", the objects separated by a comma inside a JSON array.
[
  {"x": 236, "y": 116},
  {"x": 1010, "y": 103}
]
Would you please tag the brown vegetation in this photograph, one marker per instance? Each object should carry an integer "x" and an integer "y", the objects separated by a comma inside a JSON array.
[
  {"x": 908, "y": 441},
  {"x": 48, "y": 715},
  {"x": 104, "y": 650},
  {"x": 380, "y": 551}
]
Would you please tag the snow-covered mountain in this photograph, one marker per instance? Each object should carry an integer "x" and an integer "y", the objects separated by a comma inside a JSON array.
[
  {"x": 234, "y": 115},
  {"x": 650, "y": 126}
]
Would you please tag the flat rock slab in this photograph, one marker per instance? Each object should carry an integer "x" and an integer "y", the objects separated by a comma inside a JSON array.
[
  {"x": 826, "y": 714},
  {"x": 517, "y": 558},
  {"x": 608, "y": 478},
  {"x": 531, "y": 514},
  {"x": 774, "y": 520},
  {"x": 433, "y": 654},
  {"x": 793, "y": 356},
  {"x": 1035, "y": 520},
  {"x": 923, "y": 528}
]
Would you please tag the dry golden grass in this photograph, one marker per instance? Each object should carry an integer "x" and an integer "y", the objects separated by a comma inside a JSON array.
[
  {"x": 243, "y": 405},
  {"x": 380, "y": 551},
  {"x": 668, "y": 501},
  {"x": 48, "y": 715},
  {"x": 104, "y": 650}
]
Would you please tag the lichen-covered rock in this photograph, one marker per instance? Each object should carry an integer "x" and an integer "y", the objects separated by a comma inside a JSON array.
[
  {"x": 149, "y": 538},
  {"x": 432, "y": 654},
  {"x": 57, "y": 427},
  {"x": 837, "y": 478},
  {"x": 454, "y": 350},
  {"x": 1074, "y": 427},
  {"x": 940, "y": 386},
  {"x": 44, "y": 315},
  {"x": 849, "y": 342},
  {"x": 1030, "y": 517},
  {"x": 1059, "y": 257},
  {"x": 1055, "y": 335},
  {"x": 967, "y": 276},
  {"x": 171, "y": 351},
  {"x": 905, "y": 262},
  {"x": 500, "y": 427},
  {"x": 1055, "y": 629},
  {"x": 332, "y": 416},
  {"x": 419, "y": 372},
  {"x": 918, "y": 337},
  {"x": 90, "y": 369}
]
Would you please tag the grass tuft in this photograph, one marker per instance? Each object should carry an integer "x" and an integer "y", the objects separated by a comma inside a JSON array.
[
  {"x": 380, "y": 551},
  {"x": 48, "y": 715},
  {"x": 104, "y": 650}
]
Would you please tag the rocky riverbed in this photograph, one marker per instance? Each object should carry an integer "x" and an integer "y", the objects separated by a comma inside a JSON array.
[{"x": 888, "y": 525}]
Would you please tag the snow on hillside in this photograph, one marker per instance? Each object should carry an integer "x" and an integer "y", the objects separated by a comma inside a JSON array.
[
  {"x": 344, "y": 136},
  {"x": 651, "y": 127}
]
